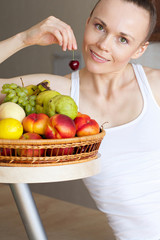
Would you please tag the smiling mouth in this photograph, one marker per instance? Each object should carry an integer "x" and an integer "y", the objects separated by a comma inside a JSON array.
[{"x": 98, "y": 58}]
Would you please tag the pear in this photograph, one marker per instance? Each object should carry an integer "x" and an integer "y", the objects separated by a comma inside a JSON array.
[
  {"x": 42, "y": 100},
  {"x": 62, "y": 104}
]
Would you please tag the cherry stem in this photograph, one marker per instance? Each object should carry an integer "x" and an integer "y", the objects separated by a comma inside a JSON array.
[{"x": 73, "y": 54}]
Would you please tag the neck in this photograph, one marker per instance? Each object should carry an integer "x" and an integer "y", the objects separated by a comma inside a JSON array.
[{"x": 107, "y": 84}]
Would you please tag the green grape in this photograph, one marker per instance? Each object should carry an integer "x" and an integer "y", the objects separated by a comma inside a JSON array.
[
  {"x": 28, "y": 108},
  {"x": 20, "y": 100},
  {"x": 11, "y": 91},
  {"x": 6, "y": 99},
  {"x": 13, "y": 86},
  {"x": 32, "y": 102},
  {"x": 5, "y": 90},
  {"x": 33, "y": 97},
  {"x": 11, "y": 95},
  {"x": 26, "y": 91},
  {"x": 21, "y": 94},
  {"x": 24, "y": 103},
  {"x": 33, "y": 110},
  {"x": 14, "y": 99},
  {"x": 6, "y": 85},
  {"x": 25, "y": 98},
  {"x": 17, "y": 89},
  {"x": 2, "y": 91},
  {"x": 20, "y": 105},
  {"x": 23, "y": 89}
]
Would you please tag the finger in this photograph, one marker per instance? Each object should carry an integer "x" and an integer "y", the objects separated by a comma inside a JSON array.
[
  {"x": 58, "y": 36},
  {"x": 72, "y": 45},
  {"x": 65, "y": 39},
  {"x": 62, "y": 33},
  {"x": 67, "y": 35}
]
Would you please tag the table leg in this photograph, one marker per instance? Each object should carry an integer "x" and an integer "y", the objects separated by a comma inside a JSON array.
[{"x": 28, "y": 211}]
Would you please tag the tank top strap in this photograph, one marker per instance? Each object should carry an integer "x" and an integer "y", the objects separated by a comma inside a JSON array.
[
  {"x": 144, "y": 84},
  {"x": 75, "y": 87},
  {"x": 141, "y": 77}
]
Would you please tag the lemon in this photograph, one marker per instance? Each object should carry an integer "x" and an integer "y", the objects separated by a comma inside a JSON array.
[{"x": 10, "y": 128}]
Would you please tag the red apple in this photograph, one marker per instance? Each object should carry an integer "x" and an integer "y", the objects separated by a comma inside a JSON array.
[
  {"x": 85, "y": 125},
  {"x": 6, "y": 152},
  {"x": 35, "y": 123},
  {"x": 30, "y": 152},
  {"x": 60, "y": 126},
  {"x": 60, "y": 151}
]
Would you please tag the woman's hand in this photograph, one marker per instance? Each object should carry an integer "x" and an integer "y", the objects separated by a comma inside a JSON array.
[{"x": 50, "y": 31}]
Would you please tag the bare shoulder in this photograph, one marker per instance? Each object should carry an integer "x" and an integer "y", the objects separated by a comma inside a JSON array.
[
  {"x": 152, "y": 72},
  {"x": 153, "y": 76},
  {"x": 58, "y": 83}
]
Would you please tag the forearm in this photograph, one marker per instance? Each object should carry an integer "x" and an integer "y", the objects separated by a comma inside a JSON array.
[{"x": 10, "y": 46}]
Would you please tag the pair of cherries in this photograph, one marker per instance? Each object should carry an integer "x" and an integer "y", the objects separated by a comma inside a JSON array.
[{"x": 74, "y": 64}]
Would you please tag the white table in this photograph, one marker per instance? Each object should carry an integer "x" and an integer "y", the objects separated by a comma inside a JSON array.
[{"x": 19, "y": 177}]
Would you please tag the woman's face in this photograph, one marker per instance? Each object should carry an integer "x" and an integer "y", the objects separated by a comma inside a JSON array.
[{"x": 113, "y": 35}]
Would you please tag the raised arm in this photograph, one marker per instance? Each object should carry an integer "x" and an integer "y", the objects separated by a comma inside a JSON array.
[{"x": 49, "y": 31}]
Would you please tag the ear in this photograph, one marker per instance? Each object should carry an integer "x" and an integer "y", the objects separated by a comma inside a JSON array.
[
  {"x": 142, "y": 48},
  {"x": 87, "y": 21}
]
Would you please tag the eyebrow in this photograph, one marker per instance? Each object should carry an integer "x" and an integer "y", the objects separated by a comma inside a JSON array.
[
  {"x": 121, "y": 33},
  {"x": 103, "y": 23}
]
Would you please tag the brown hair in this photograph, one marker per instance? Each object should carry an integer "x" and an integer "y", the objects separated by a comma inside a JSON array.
[{"x": 149, "y": 6}]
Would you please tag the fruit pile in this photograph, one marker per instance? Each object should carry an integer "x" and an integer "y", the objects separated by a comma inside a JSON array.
[
  {"x": 24, "y": 96},
  {"x": 37, "y": 112}
]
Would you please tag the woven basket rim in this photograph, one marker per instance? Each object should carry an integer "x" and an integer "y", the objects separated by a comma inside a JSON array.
[{"x": 52, "y": 141}]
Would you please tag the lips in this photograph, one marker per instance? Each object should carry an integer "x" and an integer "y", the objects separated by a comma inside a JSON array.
[{"x": 98, "y": 58}]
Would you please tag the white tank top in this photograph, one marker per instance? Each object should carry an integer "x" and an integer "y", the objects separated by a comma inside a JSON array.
[{"x": 128, "y": 187}]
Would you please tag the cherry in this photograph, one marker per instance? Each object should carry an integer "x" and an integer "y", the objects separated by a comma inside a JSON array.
[{"x": 74, "y": 64}]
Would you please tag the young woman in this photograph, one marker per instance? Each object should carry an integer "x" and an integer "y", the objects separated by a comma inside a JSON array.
[{"x": 124, "y": 95}]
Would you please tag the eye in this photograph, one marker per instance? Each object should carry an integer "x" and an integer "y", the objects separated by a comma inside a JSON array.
[
  {"x": 123, "y": 40},
  {"x": 99, "y": 27}
]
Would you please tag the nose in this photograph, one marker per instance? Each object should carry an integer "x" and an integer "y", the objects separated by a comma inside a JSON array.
[{"x": 105, "y": 43}]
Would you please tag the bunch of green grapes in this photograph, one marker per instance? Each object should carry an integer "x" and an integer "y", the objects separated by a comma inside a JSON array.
[{"x": 19, "y": 95}]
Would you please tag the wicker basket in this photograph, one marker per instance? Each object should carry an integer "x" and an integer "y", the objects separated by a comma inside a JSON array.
[{"x": 49, "y": 152}]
